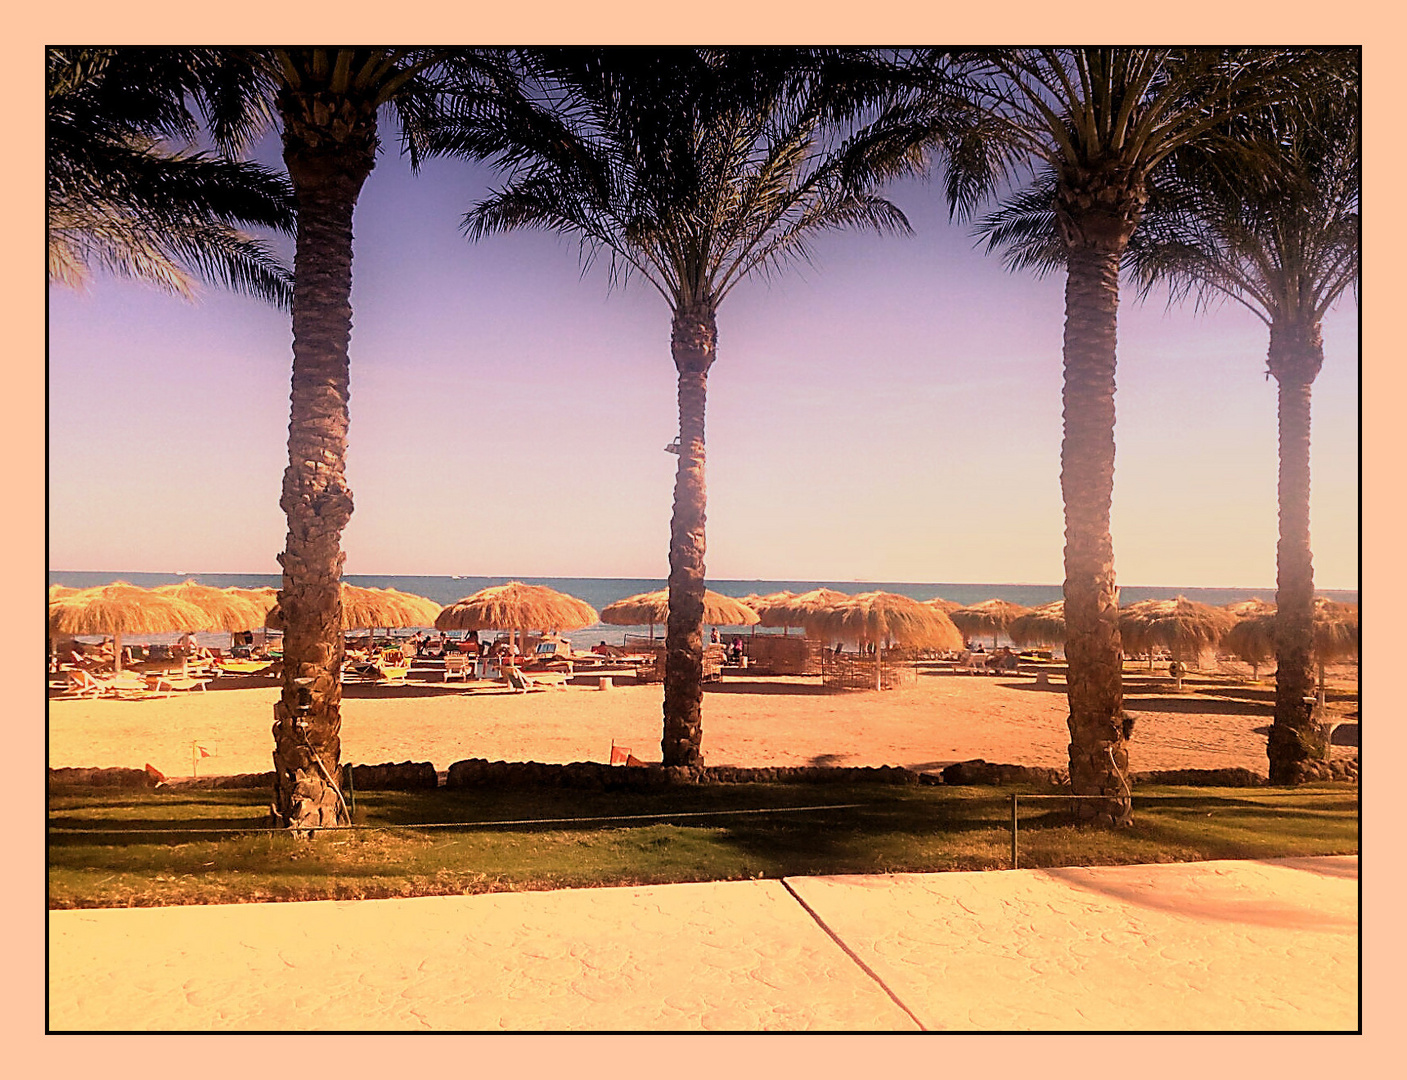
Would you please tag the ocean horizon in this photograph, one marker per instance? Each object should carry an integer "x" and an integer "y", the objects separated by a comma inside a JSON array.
[{"x": 600, "y": 591}]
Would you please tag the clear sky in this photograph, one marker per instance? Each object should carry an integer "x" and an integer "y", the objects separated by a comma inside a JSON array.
[{"x": 890, "y": 413}]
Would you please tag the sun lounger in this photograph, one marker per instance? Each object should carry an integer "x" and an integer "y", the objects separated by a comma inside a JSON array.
[
  {"x": 83, "y": 684},
  {"x": 168, "y": 683},
  {"x": 246, "y": 667},
  {"x": 522, "y": 682},
  {"x": 392, "y": 676},
  {"x": 457, "y": 666}
]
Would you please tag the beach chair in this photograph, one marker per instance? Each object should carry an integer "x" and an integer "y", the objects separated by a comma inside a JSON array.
[
  {"x": 167, "y": 683},
  {"x": 457, "y": 666},
  {"x": 523, "y": 683},
  {"x": 83, "y": 684},
  {"x": 517, "y": 680},
  {"x": 392, "y": 675}
]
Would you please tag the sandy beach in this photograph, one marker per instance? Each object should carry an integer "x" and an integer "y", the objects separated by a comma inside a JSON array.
[{"x": 748, "y": 721}]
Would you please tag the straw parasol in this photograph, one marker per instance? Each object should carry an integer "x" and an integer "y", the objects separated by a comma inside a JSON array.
[
  {"x": 1044, "y": 625},
  {"x": 1251, "y": 639},
  {"x": 796, "y": 609},
  {"x": 988, "y": 617},
  {"x": 647, "y": 609},
  {"x": 1181, "y": 625},
  {"x": 1335, "y": 635},
  {"x": 947, "y": 607},
  {"x": 882, "y": 617},
  {"x": 1244, "y": 609},
  {"x": 121, "y": 608},
  {"x": 763, "y": 605},
  {"x": 516, "y": 606},
  {"x": 366, "y": 608},
  {"x": 229, "y": 609}
]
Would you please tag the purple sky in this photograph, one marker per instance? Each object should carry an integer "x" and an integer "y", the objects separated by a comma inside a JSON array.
[{"x": 892, "y": 413}]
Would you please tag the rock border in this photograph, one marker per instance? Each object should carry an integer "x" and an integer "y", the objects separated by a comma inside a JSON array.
[{"x": 480, "y": 772}]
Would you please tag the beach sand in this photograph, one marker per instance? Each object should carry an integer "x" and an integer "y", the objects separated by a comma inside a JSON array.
[{"x": 747, "y": 721}]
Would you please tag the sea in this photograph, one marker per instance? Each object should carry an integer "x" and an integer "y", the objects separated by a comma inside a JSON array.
[{"x": 598, "y": 592}]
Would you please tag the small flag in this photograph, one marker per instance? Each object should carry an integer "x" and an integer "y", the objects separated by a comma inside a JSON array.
[
  {"x": 155, "y": 773},
  {"x": 203, "y": 752},
  {"x": 620, "y": 755}
]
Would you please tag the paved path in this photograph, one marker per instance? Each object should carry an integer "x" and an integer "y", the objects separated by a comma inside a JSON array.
[{"x": 1197, "y": 946}]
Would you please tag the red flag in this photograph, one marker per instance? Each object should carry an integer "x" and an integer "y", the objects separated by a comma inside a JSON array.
[
  {"x": 155, "y": 773},
  {"x": 203, "y": 752},
  {"x": 620, "y": 755}
]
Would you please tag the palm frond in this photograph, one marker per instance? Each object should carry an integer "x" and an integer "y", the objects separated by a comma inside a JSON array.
[
  {"x": 127, "y": 193},
  {"x": 694, "y": 167}
]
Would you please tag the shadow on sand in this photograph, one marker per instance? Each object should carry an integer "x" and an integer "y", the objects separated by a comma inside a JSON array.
[
  {"x": 734, "y": 686},
  {"x": 1196, "y": 704}
]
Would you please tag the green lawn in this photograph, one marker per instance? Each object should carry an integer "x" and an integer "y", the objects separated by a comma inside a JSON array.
[{"x": 892, "y": 829}]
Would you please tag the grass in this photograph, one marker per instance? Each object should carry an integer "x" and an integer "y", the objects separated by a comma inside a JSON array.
[{"x": 892, "y": 829}]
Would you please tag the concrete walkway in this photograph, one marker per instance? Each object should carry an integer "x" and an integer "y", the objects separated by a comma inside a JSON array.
[{"x": 1222, "y": 946}]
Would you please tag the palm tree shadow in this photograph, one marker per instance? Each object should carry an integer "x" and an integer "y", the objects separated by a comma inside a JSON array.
[
  {"x": 733, "y": 686},
  {"x": 1217, "y": 706}
]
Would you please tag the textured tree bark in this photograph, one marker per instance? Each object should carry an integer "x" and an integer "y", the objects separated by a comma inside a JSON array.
[
  {"x": 1296, "y": 355},
  {"x": 693, "y": 343},
  {"x": 1096, "y": 213},
  {"x": 329, "y": 147}
]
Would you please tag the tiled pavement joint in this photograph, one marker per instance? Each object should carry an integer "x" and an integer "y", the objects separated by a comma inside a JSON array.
[{"x": 851, "y": 953}]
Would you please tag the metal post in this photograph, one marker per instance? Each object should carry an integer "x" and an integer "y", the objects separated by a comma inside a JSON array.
[{"x": 1013, "y": 831}]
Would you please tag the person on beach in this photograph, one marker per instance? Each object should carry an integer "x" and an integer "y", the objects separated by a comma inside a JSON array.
[{"x": 715, "y": 638}]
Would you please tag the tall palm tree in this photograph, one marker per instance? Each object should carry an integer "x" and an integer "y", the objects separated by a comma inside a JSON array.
[
  {"x": 693, "y": 168},
  {"x": 327, "y": 100},
  {"x": 127, "y": 191},
  {"x": 1286, "y": 250},
  {"x": 1097, "y": 122}
]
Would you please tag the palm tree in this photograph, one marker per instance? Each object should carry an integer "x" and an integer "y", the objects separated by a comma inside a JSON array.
[
  {"x": 1287, "y": 251},
  {"x": 126, "y": 191},
  {"x": 1097, "y": 122},
  {"x": 693, "y": 168},
  {"x": 327, "y": 100}
]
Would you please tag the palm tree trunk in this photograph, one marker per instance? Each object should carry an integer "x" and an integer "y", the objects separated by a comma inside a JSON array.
[
  {"x": 1296, "y": 354},
  {"x": 693, "y": 342},
  {"x": 1093, "y": 649},
  {"x": 329, "y": 147}
]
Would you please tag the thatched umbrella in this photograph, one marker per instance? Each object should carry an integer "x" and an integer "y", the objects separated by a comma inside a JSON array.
[
  {"x": 1181, "y": 625},
  {"x": 1044, "y": 625},
  {"x": 988, "y": 617},
  {"x": 1335, "y": 636},
  {"x": 647, "y": 609},
  {"x": 1244, "y": 609},
  {"x": 120, "y": 608},
  {"x": 881, "y": 617},
  {"x": 947, "y": 607},
  {"x": 796, "y": 609},
  {"x": 516, "y": 606},
  {"x": 229, "y": 609},
  {"x": 55, "y": 592},
  {"x": 764, "y": 606},
  {"x": 366, "y": 608}
]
